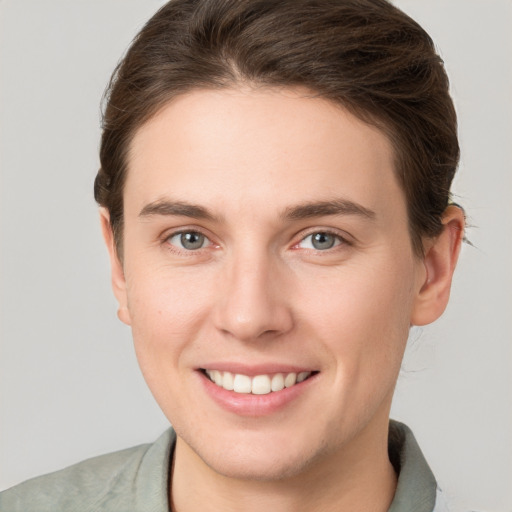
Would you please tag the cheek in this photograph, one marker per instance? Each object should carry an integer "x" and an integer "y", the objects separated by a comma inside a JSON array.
[
  {"x": 363, "y": 315},
  {"x": 167, "y": 313},
  {"x": 167, "y": 309}
]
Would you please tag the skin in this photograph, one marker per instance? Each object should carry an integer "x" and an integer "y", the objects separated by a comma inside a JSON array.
[{"x": 258, "y": 292}]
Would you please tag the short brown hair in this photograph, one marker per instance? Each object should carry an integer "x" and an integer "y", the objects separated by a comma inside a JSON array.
[{"x": 365, "y": 55}]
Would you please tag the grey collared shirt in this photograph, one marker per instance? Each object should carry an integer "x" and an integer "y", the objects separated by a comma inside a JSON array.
[{"x": 137, "y": 479}]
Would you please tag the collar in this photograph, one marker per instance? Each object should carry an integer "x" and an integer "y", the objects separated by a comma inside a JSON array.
[{"x": 416, "y": 489}]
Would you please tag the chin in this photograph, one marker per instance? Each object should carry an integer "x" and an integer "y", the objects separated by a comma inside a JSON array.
[
  {"x": 262, "y": 459},
  {"x": 269, "y": 467}
]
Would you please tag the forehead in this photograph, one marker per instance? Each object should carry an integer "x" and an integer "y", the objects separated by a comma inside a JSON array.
[{"x": 240, "y": 147}]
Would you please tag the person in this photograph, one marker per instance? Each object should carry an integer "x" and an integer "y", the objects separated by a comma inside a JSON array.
[{"x": 274, "y": 194}]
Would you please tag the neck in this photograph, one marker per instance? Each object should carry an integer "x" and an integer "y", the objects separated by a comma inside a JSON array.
[{"x": 358, "y": 477}]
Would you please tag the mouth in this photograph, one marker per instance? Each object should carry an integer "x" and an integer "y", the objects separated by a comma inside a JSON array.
[{"x": 263, "y": 384}]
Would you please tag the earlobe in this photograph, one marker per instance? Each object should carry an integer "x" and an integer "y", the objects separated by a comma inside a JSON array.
[
  {"x": 439, "y": 262},
  {"x": 116, "y": 268}
]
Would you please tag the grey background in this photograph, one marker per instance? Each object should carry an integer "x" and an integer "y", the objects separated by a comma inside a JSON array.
[{"x": 70, "y": 387}]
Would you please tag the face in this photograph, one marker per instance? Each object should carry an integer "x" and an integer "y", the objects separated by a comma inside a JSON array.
[{"x": 266, "y": 248}]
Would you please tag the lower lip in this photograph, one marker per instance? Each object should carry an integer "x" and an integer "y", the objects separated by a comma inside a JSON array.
[{"x": 247, "y": 404}]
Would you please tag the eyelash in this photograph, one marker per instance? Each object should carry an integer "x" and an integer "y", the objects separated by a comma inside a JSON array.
[
  {"x": 339, "y": 241},
  {"x": 182, "y": 250}
]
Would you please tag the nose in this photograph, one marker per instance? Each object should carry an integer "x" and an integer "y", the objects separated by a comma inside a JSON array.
[{"x": 253, "y": 299}]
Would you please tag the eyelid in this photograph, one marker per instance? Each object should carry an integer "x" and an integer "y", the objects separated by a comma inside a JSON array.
[
  {"x": 170, "y": 233},
  {"x": 344, "y": 238},
  {"x": 204, "y": 239}
]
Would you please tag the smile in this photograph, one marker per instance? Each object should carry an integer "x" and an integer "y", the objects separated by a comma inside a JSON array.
[{"x": 257, "y": 385}]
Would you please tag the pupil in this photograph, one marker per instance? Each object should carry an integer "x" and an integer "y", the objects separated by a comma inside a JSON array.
[
  {"x": 323, "y": 241},
  {"x": 192, "y": 240}
]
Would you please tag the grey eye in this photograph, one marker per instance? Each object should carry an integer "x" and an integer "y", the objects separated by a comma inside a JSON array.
[
  {"x": 189, "y": 240},
  {"x": 320, "y": 241}
]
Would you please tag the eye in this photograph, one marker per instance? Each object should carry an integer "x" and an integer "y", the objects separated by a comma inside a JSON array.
[
  {"x": 189, "y": 240},
  {"x": 320, "y": 241}
]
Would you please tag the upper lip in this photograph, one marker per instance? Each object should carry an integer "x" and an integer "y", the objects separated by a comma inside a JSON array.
[{"x": 256, "y": 369}]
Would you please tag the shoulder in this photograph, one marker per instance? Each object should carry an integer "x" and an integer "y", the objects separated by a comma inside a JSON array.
[{"x": 121, "y": 480}]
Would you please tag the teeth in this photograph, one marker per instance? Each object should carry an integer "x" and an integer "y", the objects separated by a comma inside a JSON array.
[
  {"x": 258, "y": 385},
  {"x": 242, "y": 384},
  {"x": 302, "y": 376},
  {"x": 290, "y": 380},
  {"x": 261, "y": 385},
  {"x": 228, "y": 381},
  {"x": 217, "y": 377},
  {"x": 277, "y": 382}
]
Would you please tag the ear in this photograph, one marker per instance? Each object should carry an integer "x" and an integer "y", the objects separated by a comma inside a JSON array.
[
  {"x": 441, "y": 254},
  {"x": 116, "y": 268}
]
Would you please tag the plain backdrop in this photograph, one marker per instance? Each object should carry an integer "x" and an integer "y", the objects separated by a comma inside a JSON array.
[{"x": 70, "y": 387}]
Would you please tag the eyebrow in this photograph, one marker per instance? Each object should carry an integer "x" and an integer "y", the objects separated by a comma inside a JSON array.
[
  {"x": 323, "y": 208},
  {"x": 298, "y": 212},
  {"x": 176, "y": 208}
]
